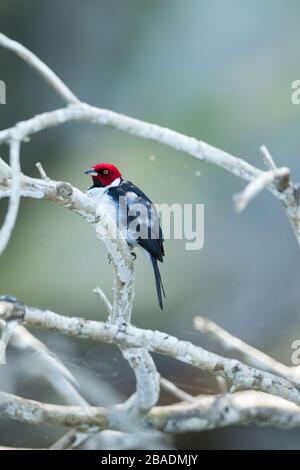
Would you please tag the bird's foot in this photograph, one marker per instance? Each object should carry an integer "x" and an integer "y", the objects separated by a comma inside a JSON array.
[
  {"x": 133, "y": 254},
  {"x": 109, "y": 258}
]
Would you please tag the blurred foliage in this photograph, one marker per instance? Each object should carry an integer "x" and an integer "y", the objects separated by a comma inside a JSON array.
[{"x": 220, "y": 71}]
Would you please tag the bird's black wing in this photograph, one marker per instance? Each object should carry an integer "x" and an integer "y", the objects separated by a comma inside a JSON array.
[{"x": 152, "y": 237}]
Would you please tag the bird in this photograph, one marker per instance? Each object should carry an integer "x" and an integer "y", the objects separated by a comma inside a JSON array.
[{"x": 109, "y": 187}]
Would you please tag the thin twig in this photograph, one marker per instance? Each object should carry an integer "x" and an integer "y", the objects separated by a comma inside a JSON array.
[
  {"x": 267, "y": 158},
  {"x": 251, "y": 355},
  {"x": 174, "y": 390},
  {"x": 264, "y": 180},
  {"x": 204, "y": 413}
]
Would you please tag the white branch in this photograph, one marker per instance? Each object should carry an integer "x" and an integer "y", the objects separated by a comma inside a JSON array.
[
  {"x": 52, "y": 369},
  {"x": 210, "y": 412},
  {"x": 239, "y": 375},
  {"x": 175, "y": 391},
  {"x": 267, "y": 158},
  {"x": 6, "y": 331},
  {"x": 259, "y": 184},
  {"x": 206, "y": 412},
  {"x": 14, "y": 197},
  {"x": 64, "y": 194},
  {"x": 103, "y": 299},
  {"x": 250, "y": 355},
  {"x": 86, "y": 113},
  {"x": 122, "y": 264},
  {"x": 136, "y": 344},
  {"x": 10, "y": 314},
  {"x": 196, "y": 148}
]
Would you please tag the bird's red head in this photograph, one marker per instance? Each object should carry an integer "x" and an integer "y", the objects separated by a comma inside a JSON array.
[{"x": 103, "y": 174}]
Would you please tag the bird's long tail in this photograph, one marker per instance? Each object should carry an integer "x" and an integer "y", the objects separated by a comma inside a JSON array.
[{"x": 159, "y": 285}]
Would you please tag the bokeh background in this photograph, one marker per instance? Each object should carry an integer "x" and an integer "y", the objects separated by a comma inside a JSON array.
[{"x": 218, "y": 70}]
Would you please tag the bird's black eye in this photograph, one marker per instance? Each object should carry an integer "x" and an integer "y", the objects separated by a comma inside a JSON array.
[{"x": 105, "y": 172}]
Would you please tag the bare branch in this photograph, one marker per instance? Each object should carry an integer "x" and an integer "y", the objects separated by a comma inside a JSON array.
[
  {"x": 137, "y": 344},
  {"x": 86, "y": 113},
  {"x": 175, "y": 391},
  {"x": 210, "y": 412},
  {"x": 42, "y": 171},
  {"x": 267, "y": 158},
  {"x": 283, "y": 190},
  {"x": 6, "y": 331},
  {"x": 103, "y": 299},
  {"x": 147, "y": 377},
  {"x": 11, "y": 312},
  {"x": 52, "y": 370},
  {"x": 259, "y": 184},
  {"x": 5, "y": 171},
  {"x": 71, "y": 440},
  {"x": 71, "y": 198},
  {"x": 251, "y": 355},
  {"x": 14, "y": 198}
]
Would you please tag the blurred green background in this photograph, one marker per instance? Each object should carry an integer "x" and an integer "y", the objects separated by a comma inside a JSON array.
[{"x": 217, "y": 70}]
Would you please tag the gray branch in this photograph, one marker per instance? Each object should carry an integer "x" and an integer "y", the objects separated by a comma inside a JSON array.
[{"x": 277, "y": 405}]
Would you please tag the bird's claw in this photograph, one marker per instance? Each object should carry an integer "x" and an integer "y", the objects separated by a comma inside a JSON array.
[
  {"x": 133, "y": 254},
  {"x": 109, "y": 258}
]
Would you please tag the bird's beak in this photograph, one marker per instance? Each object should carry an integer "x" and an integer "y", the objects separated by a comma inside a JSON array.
[{"x": 91, "y": 172}]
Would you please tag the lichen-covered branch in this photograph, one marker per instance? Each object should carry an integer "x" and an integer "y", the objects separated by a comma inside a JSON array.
[
  {"x": 66, "y": 195},
  {"x": 204, "y": 413},
  {"x": 250, "y": 355}
]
